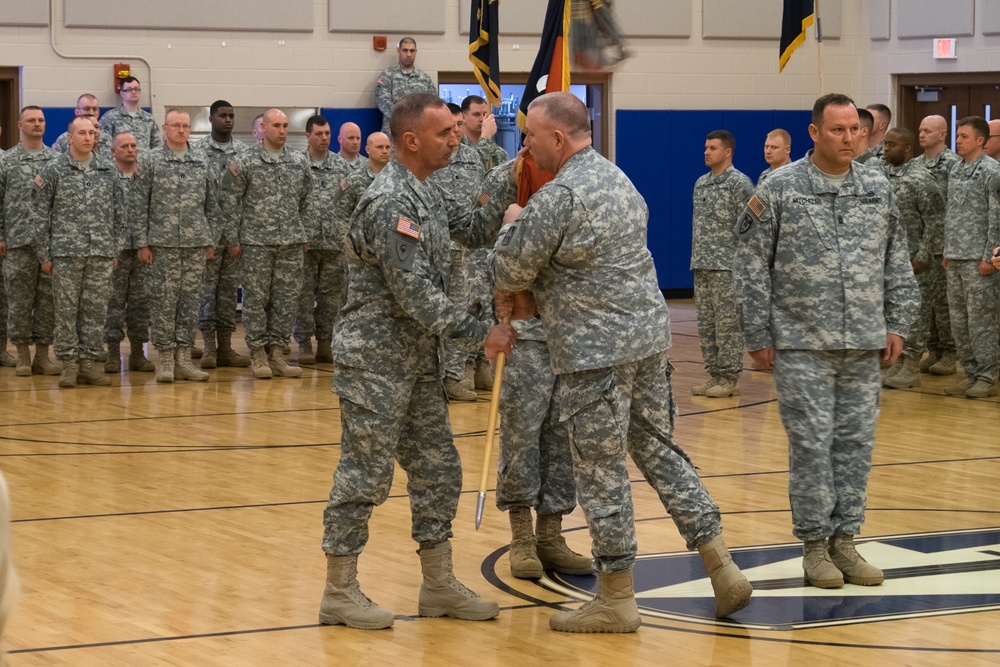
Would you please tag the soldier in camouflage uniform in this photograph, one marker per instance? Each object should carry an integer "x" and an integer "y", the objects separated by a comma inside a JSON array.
[
  {"x": 217, "y": 313},
  {"x": 86, "y": 105},
  {"x": 463, "y": 178},
  {"x": 400, "y": 80},
  {"x": 81, "y": 211},
  {"x": 921, "y": 212},
  {"x": 129, "y": 117},
  {"x": 824, "y": 280},
  {"x": 175, "y": 228},
  {"x": 777, "y": 152},
  {"x": 938, "y": 159},
  {"x": 580, "y": 245},
  {"x": 388, "y": 368},
  {"x": 719, "y": 196},
  {"x": 129, "y": 303},
  {"x": 266, "y": 192},
  {"x": 29, "y": 316},
  {"x": 971, "y": 231},
  {"x": 323, "y": 286},
  {"x": 349, "y": 139}
]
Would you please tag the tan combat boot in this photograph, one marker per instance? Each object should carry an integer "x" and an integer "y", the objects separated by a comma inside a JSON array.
[
  {"x": 7, "y": 360},
  {"x": 306, "y": 354},
  {"x": 227, "y": 355},
  {"x": 469, "y": 376},
  {"x": 280, "y": 367},
  {"x": 960, "y": 387},
  {"x": 90, "y": 375},
  {"x": 732, "y": 590},
  {"x": 67, "y": 379},
  {"x": 137, "y": 361},
  {"x": 907, "y": 377},
  {"x": 553, "y": 551},
  {"x": 482, "y": 379},
  {"x": 933, "y": 356},
  {"x": 184, "y": 369},
  {"x": 523, "y": 557},
  {"x": 258, "y": 364},
  {"x": 441, "y": 594},
  {"x": 613, "y": 609},
  {"x": 324, "y": 351},
  {"x": 945, "y": 365},
  {"x": 209, "y": 358},
  {"x": 724, "y": 388},
  {"x": 42, "y": 365},
  {"x": 819, "y": 568},
  {"x": 856, "y": 569},
  {"x": 344, "y": 603},
  {"x": 114, "y": 360},
  {"x": 165, "y": 366},
  {"x": 457, "y": 391},
  {"x": 23, "y": 368},
  {"x": 700, "y": 389}
]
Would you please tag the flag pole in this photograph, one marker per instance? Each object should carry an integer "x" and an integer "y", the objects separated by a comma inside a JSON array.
[{"x": 819, "y": 48}]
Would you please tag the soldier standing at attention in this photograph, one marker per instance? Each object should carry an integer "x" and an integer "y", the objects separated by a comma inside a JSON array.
[
  {"x": 129, "y": 117},
  {"x": 938, "y": 159},
  {"x": 81, "y": 211},
  {"x": 400, "y": 80},
  {"x": 580, "y": 246},
  {"x": 175, "y": 227},
  {"x": 379, "y": 151},
  {"x": 825, "y": 282},
  {"x": 971, "y": 231},
  {"x": 217, "y": 313},
  {"x": 266, "y": 192},
  {"x": 30, "y": 317},
  {"x": 86, "y": 105},
  {"x": 387, "y": 368},
  {"x": 921, "y": 212},
  {"x": 719, "y": 197},
  {"x": 129, "y": 303},
  {"x": 777, "y": 152},
  {"x": 349, "y": 139}
]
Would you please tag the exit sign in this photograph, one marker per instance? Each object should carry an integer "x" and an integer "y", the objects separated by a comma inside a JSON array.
[{"x": 946, "y": 48}]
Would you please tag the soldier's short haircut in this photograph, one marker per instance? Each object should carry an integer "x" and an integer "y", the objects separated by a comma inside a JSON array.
[
  {"x": 725, "y": 136},
  {"x": 830, "y": 99},
  {"x": 85, "y": 96},
  {"x": 406, "y": 40},
  {"x": 174, "y": 110},
  {"x": 778, "y": 132},
  {"x": 905, "y": 135},
  {"x": 978, "y": 124},
  {"x": 314, "y": 121},
  {"x": 408, "y": 111},
  {"x": 454, "y": 108},
  {"x": 866, "y": 119},
  {"x": 566, "y": 111},
  {"x": 31, "y": 107},
  {"x": 470, "y": 100},
  {"x": 69, "y": 128},
  {"x": 881, "y": 110},
  {"x": 126, "y": 80},
  {"x": 216, "y": 105}
]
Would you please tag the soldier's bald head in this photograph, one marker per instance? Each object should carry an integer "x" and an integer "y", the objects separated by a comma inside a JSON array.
[{"x": 566, "y": 112}]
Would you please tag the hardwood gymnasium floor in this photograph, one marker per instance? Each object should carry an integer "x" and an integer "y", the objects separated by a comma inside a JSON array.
[{"x": 180, "y": 525}]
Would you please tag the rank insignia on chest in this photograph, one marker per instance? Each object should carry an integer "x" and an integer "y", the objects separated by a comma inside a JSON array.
[
  {"x": 233, "y": 169},
  {"x": 343, "y": 184},
  {"x": 408, "y": 227},
  {"x": 38, "y": 180},
  {"x": 757, "y": 206}
]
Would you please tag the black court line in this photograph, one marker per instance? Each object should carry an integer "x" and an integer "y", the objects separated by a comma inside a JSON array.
[{"x": 171, "y": 416}]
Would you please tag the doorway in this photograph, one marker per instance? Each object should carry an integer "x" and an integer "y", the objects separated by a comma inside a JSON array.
[
  {"x": 951, "y": 96},
  {"x": 10, "y": 105}
]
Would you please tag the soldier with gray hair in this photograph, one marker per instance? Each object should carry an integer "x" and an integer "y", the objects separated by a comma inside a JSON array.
[
  {"x": 82, "y": 229},
  {"x": 387, "y": 369},
  {"x": 825, "y": 282},
  {"x": 580, "y": 246}
]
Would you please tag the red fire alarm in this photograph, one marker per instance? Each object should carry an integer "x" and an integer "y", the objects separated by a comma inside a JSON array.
[
  {"x": 379, "y": 42},
  {"x": 122, "y": 70}
]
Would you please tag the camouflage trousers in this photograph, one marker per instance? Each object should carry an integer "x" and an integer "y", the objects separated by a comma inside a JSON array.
[
  {"x": 630, "y": 408},
  {"x": 218, "y": 299},
  {"x": 385, "y": 421},
  {"x": 272, "y": 280},
  {"x": 939, "y": 336},
  {"x": 536, "y": 467},
  {"x": 720, "y": 330},
  {"x": 479, "y": 290},
  {"x": 175, "y": 282},
  {"x": 974, "y": 305},
  {"x": 31, "y": 315},
  {"x": 455, "y": 355},
  {"x": 915, "y": 343},
  {"x": 829, "y": 404},
  {"x": 129, "y": 303},
  {"x": 3, "y": 304},
  {"x": 324, "y": 289},
  {"x": 80, "y": 290}
]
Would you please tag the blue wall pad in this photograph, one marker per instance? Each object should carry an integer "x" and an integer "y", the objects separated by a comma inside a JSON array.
[{"x": 662, "y": 151}]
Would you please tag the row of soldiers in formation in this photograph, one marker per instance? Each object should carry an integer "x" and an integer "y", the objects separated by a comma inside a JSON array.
[
  {"x": 949, "y": 205},
  {"x": 265, "y": 217}
]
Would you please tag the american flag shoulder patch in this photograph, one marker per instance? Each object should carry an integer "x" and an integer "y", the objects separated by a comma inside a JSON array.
[
  {"x": 233, "y": 169},
  {"x": 484, "y": 198},
  {"x": 408, "y": 227},
  {"x": 38, "y": 180},
  {"x": 757, "y": 206}
]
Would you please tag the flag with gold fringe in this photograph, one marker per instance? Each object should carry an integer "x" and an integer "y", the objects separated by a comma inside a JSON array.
[
  {"x": 796, "y": 16},
  {"x": 484, "y": 49},
  {"x": 551, "y": 69}
]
